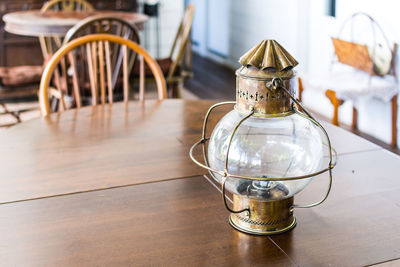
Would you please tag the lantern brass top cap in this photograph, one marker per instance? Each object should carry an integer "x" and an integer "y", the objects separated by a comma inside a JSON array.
[{"x": 268, "y": 55}]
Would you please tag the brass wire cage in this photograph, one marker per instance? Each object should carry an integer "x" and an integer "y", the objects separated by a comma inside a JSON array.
[{"x": 276, "y": 84}]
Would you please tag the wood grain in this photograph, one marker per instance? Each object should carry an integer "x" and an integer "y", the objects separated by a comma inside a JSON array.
[
  {"x": 174, "y": 223},
  {"x": 88, "y": 167},
  {"x": 394, "y": 263},
  {"x": 356, "y": 225},
  {"x": 100, "y": 147},
  {"x": 344, "y": 142}
]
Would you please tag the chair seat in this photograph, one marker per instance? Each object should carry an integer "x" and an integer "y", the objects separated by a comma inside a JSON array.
[
  {"x": 351, "y": 84},
  {"x": 20, "y": 75}
]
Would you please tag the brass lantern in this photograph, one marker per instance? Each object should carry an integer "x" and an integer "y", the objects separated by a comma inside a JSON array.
[{"x": 265, "y": 150}]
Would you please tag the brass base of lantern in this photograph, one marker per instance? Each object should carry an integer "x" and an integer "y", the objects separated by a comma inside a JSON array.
[{"x": 266, "y": 217}]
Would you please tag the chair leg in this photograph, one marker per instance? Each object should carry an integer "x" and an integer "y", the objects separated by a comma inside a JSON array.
[
  {"x": 174, "y": 89},
  {"x": 394, "y": 121},
  {"x": 15, "y": 114},
  {"x": 336, "y": 102},
  {"x": 170, "y": 89},
  {"x": 301, "y": 89},
  {"x": 354, "y": 123},
  {"x": 188, "y": 56},
  {"x": 179, "y": 90}
]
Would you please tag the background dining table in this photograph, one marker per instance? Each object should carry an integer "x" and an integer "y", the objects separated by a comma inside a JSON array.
[
  {"x": 114, "y": 185},
  {"x": 57, "y": 23}
]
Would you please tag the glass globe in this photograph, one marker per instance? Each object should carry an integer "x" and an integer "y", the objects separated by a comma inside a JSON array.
[{"x": 266, "y": 147}]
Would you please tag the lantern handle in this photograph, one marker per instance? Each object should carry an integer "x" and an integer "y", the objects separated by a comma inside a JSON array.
[
  {"x": 277, "y": 83},
  {"x": 226, "y": 204},
  {"x": 231, "y": 137},
  {"x": 227, "y": 160},
  {"x": 223, "y": 174},
  {"x": 319, "y": 202}
]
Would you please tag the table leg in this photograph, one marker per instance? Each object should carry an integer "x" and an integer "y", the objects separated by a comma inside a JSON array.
[
  {"x": 394, "y": 121},
  {"x": 301, "y": 89}
]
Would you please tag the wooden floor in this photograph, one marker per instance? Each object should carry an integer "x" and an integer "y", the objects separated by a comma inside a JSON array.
[
  {"x": 211, "y": 80},
  {"x": 215, "y": 81}
]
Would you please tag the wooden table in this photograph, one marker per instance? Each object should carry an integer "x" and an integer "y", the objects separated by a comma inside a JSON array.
[
  {"x": 57, "y": 23},
  {"x": 114, "y": 185}
]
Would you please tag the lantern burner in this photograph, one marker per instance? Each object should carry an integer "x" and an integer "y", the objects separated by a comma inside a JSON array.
[
  {"x": 263, "y": 185},
  {"x": 265, "y": 190}
]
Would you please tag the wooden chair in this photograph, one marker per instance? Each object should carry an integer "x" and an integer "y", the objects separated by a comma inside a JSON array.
[
  {"x": 110, "y": 25},
  {"x": 97, "y": 70},
  {"x": 359, "y": 80},
  {"x": 173, "y": 66},
  {"x": 50, "y": 44},
  {"x": 17, "y": 82},
  {"x": 177, "y": 54},
  {"x": 67, "y": 5},
  {"x": 103, "y": 24}
]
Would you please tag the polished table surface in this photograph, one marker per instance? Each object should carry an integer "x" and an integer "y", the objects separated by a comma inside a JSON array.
[
  {"x": 57, "y": 23},
  {"x": 114, "y": 185}
]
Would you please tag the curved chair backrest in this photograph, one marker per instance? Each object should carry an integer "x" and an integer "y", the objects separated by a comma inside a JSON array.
[
  {"x": 67, "y": 5},
  {"x": 181, "y": 39},
  {"x": 103, "y": 24},
  {"x": 95, "y": 73},
  {"x": 110, "y": 25}
]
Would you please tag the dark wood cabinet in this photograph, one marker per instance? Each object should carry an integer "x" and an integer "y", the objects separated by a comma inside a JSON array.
[{"x": 22, "y": 50}]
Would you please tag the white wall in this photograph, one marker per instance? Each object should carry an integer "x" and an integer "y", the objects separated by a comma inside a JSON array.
[
  {"x": 199, "y": 28},
  {"x": 212, "y": 28},
  {"x": 240, "y": 25},
  {"x": 218, "y": 27},
  {"x": 255, "y": 20},
  {"x": 170, "y": 15}
]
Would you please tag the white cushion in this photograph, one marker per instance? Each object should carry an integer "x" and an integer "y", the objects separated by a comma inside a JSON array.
[{"x": 351, "y": 84}]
